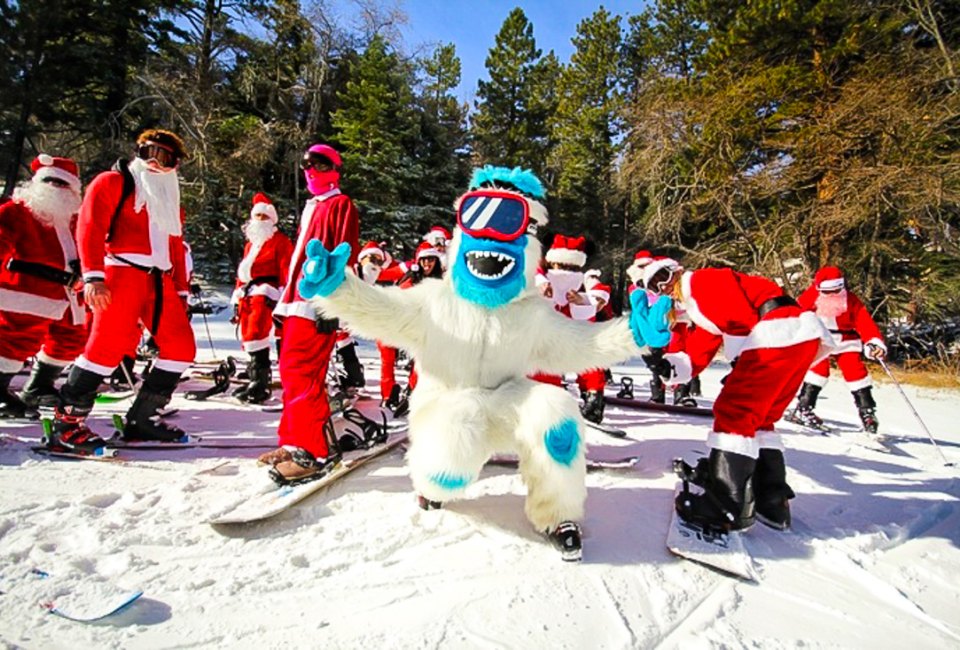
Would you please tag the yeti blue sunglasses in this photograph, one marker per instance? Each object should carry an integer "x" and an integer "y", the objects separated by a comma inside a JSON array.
[{"x": 502, "y": 216}]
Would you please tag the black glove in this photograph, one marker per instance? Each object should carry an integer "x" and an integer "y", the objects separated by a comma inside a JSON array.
[
  {"x": 195, "y": 290},
  {"x": 664, "y": 369},
  {"x": 327, "y": 325}
]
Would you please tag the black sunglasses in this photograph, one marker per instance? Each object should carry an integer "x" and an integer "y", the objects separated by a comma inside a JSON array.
[
  {"x": 312, "y": 160},
  {"x": 164, "y": 156},
  {"x": 53, "y": 180}
]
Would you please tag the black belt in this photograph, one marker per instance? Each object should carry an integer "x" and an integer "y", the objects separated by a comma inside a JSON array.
[
  {"x": 776, "y": 303},
  {"x": 846, "y": 332},
  {"x": 157, "y": 289},
  {"x": 45, "y": 272},
  {"x": 262, "y": 279}
]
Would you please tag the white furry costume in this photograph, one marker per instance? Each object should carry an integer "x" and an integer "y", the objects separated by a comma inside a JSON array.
[{"x": 473, "y": 397}]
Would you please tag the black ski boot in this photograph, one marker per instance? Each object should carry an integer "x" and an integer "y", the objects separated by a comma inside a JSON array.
[
  {"x": 592, "y": 407},
  {"x": 11, "y": 406},
  {"x": 69, "y": 432},
  {"x": 403, "y": 404},
  {"x": 695, "y": 390},
  {"x": 772, "y": 492},
  {"x": 867, "y": 408},
  {"x": 39, "y": 389},
  {"x": 257, "y": 391},
  {"x": 681, "y": 396},
  {"x": 806, "y": 402},
  {"x": 658, "y": 392},
  {"x": 727, "y": 501},
  {"x": 352, "y": 366},
  {"x": 393, "y": 399},
  {"x": 568, "y": 539},
  {"x": 143, "y": 421}
]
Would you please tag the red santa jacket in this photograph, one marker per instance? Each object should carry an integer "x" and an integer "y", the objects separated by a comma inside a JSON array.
[
  {"x": 332, "y": 218},
  {"x": 852, "y": 328},
  {"x": 24, "y": 237},
  {"x": 130, "y": 235},
  {"x": 724, "y": 305},
  {"x": 266, "y": 273}
]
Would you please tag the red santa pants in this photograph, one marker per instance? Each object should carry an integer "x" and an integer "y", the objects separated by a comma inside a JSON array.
[
  {"x": 304, "y": 357},
  {"x": 256, "y": 322},
  {"x": 851, "y": 366},
  {"x": 58, "y": 342},
  {"x": 115, "y": 330},
  {"x": 589, "y": 380},
  {"x": 757, "y": 392},
  {"x": 388, "y": 378}
]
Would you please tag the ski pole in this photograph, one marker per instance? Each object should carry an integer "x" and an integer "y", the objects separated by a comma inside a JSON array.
[
  {"x": 206, "y": 325},
  {"x": 896, "y": 383}
]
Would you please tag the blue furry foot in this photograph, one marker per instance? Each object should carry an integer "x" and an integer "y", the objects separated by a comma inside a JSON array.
[
  {"x": 450, "y": 481},
  {"x": 563, "y": 441}
]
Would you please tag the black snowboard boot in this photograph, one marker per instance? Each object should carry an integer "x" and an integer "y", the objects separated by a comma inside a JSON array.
[
  {"x": 806, "y": 402},
  {"x": 260, "y": 374},
  {"x": 39, "y": 389},
  {"x": 568, "y": 539},
  {"x": 403, "y": 404},
  {"x": 12, "y": 406},
  {"x": 695, "y": 390},
  {"x": 681, "y": 396},
  {"x": 351, "y": 365},
  {"x": 592, "y": 407},
  {"x": 427, "y": 504},
  {"x": 772, "y": 492},
  {"x": 69, "y": 431},
  {"x": 867, "y": 409},
  {"x": 658, "y": 392},
  {"x": 727, "y": 500},
  {"x": 143, "y": 420}
]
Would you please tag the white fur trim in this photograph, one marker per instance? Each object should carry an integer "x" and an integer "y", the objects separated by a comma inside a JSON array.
[
  {"x": 171, "y": 366},
  {"x": 86, "y": 364},
  {"x": 94, "y": 276},
  {"x": 734, "y": 443},
  {"x": 342, "y": 343},
  {"x": 599, "y": 294},
  {"x": 682, "y": 366},
  {"x": 770, "y": 440},
  {"x": 635, "y": 273},
  {"x": 265, "y": 208},
  {"x": 268, "y": 290},
  {"x": 784, "y": 332},
  {"x": 20, "y": 302},
  {"x": 367, "y": 252},
  {"x": 538, "y": 212},
  {"x": 843, "y": 347},
  {"x": 426, "y": 252},
  {"x": 815, "y": 379},
  {"x": 583, "y": 312},
  {"x": 693, "y": 310},
  {"x": 566, "y": 256},
  {"x": 857, "y": 384},
  {"x": 62, "y": 174},
  {"x": 254, "y": 346},
  {"x": 10, "y": 366},
  {"x": 50, "y": 361},
  {"x": 299, "y": 308},
  {"x": 651, "y": 269},
  {"x": 828, "y": 285}
]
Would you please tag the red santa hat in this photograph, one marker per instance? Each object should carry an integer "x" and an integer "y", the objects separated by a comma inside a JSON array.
[
  {"x": 262, "y": 205},
  {"x": 599, "y": 290},
  {"x": 657, "y": 265},
  {"x": 437, "y": 234},
  {"x": 65, "y": 169},
  {"x": 371, "y": 248},
  {"x": 427, "y": 250},
  {"x": 829, "y": 278},
  {"x": 568, "y": 250}
]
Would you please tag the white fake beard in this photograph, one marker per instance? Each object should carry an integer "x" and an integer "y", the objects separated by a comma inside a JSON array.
[
  {"x": 563, "y": 281},
  {"x": 160, "y": 192},
  {"x": 51, "y": 205},
  {"x": 259, "y": 231},
  {"x": 370, "y": 272},
  {"x": 831, "y": 305}
]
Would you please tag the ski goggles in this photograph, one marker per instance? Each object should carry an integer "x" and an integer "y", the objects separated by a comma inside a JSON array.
[
  {"x": 502, "y": 216},
  {"x": 313, "y": 160},
  {"x": 163, "y": 155}
]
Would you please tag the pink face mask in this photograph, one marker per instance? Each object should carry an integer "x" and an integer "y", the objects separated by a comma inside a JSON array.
[
  {"x": 831, "y": 305},
  {"x": 319, "y": 182}
]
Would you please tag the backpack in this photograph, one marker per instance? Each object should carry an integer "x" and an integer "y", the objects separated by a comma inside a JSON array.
[{"x": 128, "y": 186}]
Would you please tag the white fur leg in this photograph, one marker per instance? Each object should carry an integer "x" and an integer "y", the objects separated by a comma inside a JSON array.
[
  {"x": 550, "y": 442},
  {"x": 449, "y": 440}
]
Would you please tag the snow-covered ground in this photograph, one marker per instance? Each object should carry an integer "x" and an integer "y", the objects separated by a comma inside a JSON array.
[{"x": 873, "y": 560}]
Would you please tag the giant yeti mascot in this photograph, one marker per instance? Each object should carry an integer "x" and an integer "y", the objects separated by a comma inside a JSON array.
[{"x": 476, "y": 335}]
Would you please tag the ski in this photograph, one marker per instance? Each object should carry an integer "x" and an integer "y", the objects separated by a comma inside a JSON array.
[
  {"x": 593, "y": 464},
  {"x": 654, "y": 406},
  {"x": 820, "y": 428},
  {"x": 109, "y": 455},
  {"x": 114, "y": 396},
  {"x": 607, "y": 429},
  {"x": 277, "y": 499},
  {"x": 719, "y": 550}
]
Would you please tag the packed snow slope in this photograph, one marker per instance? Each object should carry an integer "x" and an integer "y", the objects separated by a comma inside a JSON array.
[{"x": 873, "y": 560}]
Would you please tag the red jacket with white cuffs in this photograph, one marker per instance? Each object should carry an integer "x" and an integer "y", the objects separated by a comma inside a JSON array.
[
  {"x": 131, "y": 236},
  {"x": 271, "y": 266},
  {"x": 851, "y": 329}
]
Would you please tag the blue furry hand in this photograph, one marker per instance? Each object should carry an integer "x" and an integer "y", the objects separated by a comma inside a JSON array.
[
  {"x": 649, "y": 323},
  {"x": 323, "y": 271}
]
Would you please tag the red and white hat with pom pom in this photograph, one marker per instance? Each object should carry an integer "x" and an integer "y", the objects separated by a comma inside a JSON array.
[
  {"x": 64, "y": 169},
  {"x": 263, "y": 205},
  {"x": 568, "y": 250}
]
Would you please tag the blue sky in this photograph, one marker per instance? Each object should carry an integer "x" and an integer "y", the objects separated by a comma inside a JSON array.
[{"x": 473, "y": 26}]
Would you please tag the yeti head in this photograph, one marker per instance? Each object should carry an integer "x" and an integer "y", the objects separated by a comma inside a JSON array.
[{"x": 494, "y": 254}]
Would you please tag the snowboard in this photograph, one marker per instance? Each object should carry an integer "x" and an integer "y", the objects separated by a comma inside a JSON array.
[
  {"x": 593, "y": 464},
  {"x": 279, "y": 498},
  {"x": 722, "y": 551},
  {"x": 607, "y": 429},
  {"x": 654, "y": 406},
  {"x": 87, "y": 602}
]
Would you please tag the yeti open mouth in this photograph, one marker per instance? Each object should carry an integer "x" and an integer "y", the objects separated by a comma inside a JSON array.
[{"x": 489, "y": 265}]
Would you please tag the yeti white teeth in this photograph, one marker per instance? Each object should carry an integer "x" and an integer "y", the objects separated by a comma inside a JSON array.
[{"x": 507, "y": 262}]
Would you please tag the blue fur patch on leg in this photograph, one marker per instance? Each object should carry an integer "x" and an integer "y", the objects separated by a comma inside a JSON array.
[
  {"x": 563, "y": 441},
  {"x": 449, "y": 481}
]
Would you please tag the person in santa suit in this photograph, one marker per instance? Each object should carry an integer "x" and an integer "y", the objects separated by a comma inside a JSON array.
[
  {"x": 378, "y": 267},
  {"x": 855, "y": 332},
  {"x": 439, "y": 239},
  {"x": 773, "y": 341},
  {"x": 260, "y": 277},
  {"x": 562, "y": 281},
  {"x": 643, "y": 258},
  {"x": 130, "y": 237},
  {"x": 309, "y": 338},
  {"x": 40, "y": 309}
]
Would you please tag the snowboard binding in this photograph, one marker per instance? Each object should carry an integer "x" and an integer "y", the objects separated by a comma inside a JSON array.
[
  {"x": 221, "y": 376},
  {"x": 626, "y": 388},
  {"x": 370, "y": 434}
]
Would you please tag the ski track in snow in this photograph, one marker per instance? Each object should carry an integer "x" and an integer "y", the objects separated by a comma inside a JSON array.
[{"x": 872, "y": 561}]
